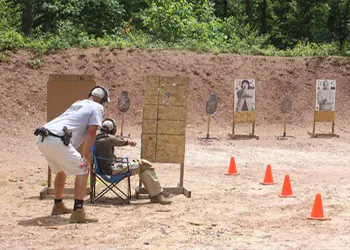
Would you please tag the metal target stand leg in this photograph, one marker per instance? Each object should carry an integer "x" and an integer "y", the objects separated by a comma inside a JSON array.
[
  {"x": 284, "y": 136},
  {"x": 122, "y": 127},
  {"x": 207, "y": 138}
]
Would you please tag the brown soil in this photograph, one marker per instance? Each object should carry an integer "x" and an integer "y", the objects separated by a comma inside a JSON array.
[{"x": 231, "y": 212}]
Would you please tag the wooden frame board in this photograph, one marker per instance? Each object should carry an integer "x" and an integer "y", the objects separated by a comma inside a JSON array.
[
  {"x": 323, "y": 116},
  {"x": 62, "y": 91},
  {"x": 164, "y": 125}
]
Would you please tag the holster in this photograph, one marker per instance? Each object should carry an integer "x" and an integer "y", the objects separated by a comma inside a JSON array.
[
  {"x": 65, "y": 138},
  {"x": 43, "y": 132}
]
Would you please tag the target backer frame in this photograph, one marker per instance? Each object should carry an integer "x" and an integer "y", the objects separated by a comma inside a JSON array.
[{"x": 243, "y": 117}]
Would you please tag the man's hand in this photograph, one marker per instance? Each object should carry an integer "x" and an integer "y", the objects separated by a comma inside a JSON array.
[
  {"x": 85, "y": 165},
  {"x": 132, "y": 143}
]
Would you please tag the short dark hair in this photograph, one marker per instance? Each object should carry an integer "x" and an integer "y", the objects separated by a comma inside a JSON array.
[{"x": 245, "y": 81}]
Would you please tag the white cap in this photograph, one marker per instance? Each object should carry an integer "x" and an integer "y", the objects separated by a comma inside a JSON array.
[
  {"x": 98, "y": 92},
  {"x": 108, "y": 124}
]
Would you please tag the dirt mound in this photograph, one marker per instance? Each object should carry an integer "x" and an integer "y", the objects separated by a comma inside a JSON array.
[{"x": 23, "y": 90}]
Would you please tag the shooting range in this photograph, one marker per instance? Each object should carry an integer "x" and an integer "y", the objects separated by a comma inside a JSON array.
[
  {"x": 286, "y": 107},
  {"x": 164, "y": 126},
  {"x": 244, "y": 107},
  {"x": 325, "y": 101},
  {"x": 123, "y": 106},
  {"x": 210, "y": 108},
  {"x": 58, "y": 100}
]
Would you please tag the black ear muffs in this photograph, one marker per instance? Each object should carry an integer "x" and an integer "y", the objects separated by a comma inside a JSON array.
[
  {"x": 114, "y": 130},
  {"x": 105, "y": 98}
]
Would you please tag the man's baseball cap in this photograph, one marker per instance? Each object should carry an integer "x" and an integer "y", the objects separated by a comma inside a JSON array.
[{"x": 100, "y": 93}]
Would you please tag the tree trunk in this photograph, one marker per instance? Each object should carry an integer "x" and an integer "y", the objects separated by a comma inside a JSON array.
[
  {"x": 225, "y": 8},
  {"x": 249, "y": 10},
  {"x": 27, "y": 17},
  {"x": 264, "y": 17}
]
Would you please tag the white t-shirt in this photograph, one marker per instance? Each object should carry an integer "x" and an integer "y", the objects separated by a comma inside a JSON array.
[{"x": 77, "y": 117}]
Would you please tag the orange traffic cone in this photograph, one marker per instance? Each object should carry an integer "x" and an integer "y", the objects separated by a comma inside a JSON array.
[
  {"x": 287, "y": 188},
  {"x": 232, "y": 170},
  {"x": 317, "y": 210},
  {"x": 268, "y": 180}
]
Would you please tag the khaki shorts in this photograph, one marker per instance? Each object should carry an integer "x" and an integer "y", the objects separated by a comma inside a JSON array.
[{"x": 60, "y": 157}]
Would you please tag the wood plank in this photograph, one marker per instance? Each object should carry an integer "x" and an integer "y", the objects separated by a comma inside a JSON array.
[
  {"x": 171, "y": 190},
  {"x": 173, "y": 91},
  {"x": 244, "y": 117},
  {"x": 148, "y": 147},
  {"x": 324, "y": 116},
  {"x": 152, "y": 89},
  {"x": 70, "y": 78},
  {"x": 171, "y": 127},
  {"x": 170, "y": 149},
  {"x": 173, "y": 113},
  {"x": 149, "y": 126},
  {"x": 150, "y": 112},
  {"x": 59, "y": 99}
]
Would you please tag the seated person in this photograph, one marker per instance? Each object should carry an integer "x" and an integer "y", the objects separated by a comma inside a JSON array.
[{"x": 106, "y": 141}]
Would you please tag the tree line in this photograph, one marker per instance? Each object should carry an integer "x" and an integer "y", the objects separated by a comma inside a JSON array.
[{"x": 228, "y": 25}]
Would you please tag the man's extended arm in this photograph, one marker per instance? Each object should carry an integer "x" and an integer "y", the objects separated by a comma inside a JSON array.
[{"x": 120, "y": 142}]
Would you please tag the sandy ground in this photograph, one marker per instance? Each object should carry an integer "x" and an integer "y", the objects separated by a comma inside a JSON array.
[{"x": 225, "y": 212}]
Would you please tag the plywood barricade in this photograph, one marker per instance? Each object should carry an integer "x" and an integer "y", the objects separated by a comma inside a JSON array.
[
  {"x": 62, "y": 91},
  {"x": 164, "y": 126}
]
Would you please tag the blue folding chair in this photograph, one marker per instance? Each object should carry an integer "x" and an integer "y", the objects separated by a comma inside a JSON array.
[{"x": 110, "y": 181}]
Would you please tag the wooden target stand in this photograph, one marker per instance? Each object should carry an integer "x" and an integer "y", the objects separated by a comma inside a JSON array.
[
  {"x": 63, "y": 91},
  {"x": 323, "y": 116},
  {"x": 243, "y": 117},
  {"x": 164, "y": 126}
]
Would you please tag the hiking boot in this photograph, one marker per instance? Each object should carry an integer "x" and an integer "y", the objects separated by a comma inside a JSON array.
[
  {"x": 78, "y": 216},
  {"x": 160, "y": 199},
  {"x": 60, "y": 208}
]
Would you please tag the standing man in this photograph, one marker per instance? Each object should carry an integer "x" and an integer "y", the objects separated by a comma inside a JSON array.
[
  {"x": 105, "y": 143},
  {"x": 58, "y": 141}
]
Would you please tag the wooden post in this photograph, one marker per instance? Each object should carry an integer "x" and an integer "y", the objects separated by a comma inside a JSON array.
[
  {"x": 182, "y": 170},
  {"x": 284, "y": 127},
  {"x": 314, "y": 127},
  {"x": 122, "y": 126},
  {"x": 209, "y": 116},
  {"x": 49, "y": 177}
]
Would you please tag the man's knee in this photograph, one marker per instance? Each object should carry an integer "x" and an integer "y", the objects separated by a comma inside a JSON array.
[{"x": 144, "y": 165}]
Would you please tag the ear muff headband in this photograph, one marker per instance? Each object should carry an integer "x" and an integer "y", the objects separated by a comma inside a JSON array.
[{"x": 105, "y": 98}]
